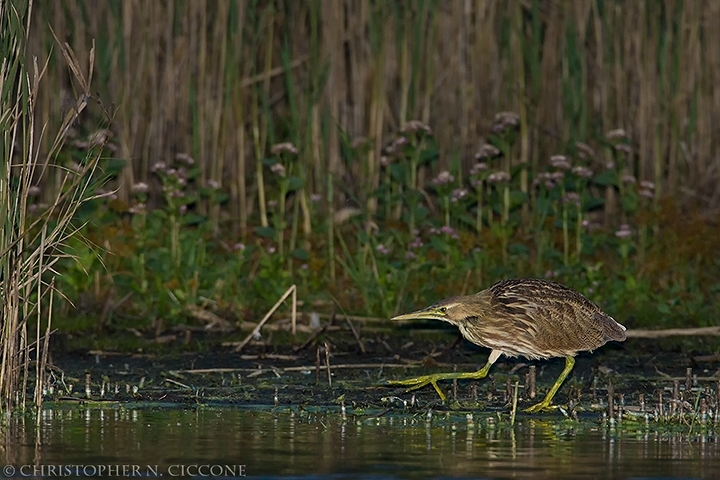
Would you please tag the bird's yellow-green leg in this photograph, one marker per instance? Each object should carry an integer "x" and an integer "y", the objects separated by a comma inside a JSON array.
[
  {"x": 422, "y": 380},
  {"x": 545, "y": 404}
]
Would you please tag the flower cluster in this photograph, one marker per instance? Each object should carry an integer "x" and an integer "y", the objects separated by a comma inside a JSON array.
[
  {"x": 278, "y": 169},
  {"x": 396, "y": 146},
  {"x": 487, "y": 151},
  {"x": 505, "y": 121},
  {"x": 140, "y": 187},
  {"x": 628, "y": 179},
  {"x": 457, "y": 194},
  {"x": 647, "y": 189},
  {"x": 478, "y": 168},
  {"x": 415, "y": 126},
  {"x": 549, "y": 179},
  {"x": 584, "y": 151},
  {"x": 582, "y": 172},
  {"x": 443, "y": 178},
  {"x": 284, "y": 147},
  {"x": 624, "y": 231},
  {"x": 445, "y": 230},
  {"x": 616, "y": 134},
  {"x": 174, "y": 180},
  {"x": 560, "y": 162},
  {"x": 499, "y": 177},
  {"x": 572, "y": 197}
]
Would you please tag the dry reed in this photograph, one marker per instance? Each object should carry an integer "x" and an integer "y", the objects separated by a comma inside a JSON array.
[{"x": 213, "y": 79}]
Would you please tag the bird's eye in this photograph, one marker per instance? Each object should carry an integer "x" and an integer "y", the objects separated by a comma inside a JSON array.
[{"x": 443, "y": 309}]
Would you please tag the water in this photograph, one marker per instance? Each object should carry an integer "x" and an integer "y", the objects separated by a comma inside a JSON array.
[{"x": 198, "y": 442}]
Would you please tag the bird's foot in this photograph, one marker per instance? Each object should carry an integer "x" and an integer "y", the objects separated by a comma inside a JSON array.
[
  {"x": 419, "y": 382},
  {"x": 540, "y": 407}
]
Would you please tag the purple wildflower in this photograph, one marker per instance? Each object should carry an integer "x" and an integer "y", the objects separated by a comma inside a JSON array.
[
  {"x": 448, "y": 230},
  {"x": 138, "y": 208},
  {"x": 457, "y": 194},
  {"x": 507, "y": 119},
  {"x": 499, "y": 177},
  {"x": 560, "y": 162},
  {"x": 140, "y": 187},
  {"x": 185, "y": 158},
  {"x": 278, "y": 169},
  {"x": 478, "y": 168},
  {"x": 443, "y": 178},
  {"x": 585, "y": 151},
  {"x": 623, "y": 147},
  {"x": 624, "y": 231},
  {"x": 616, "y": 134},
  {"x": 284, "y": 147},
  {"x": 582, "y": 172},
  {"x": 414, "y": 126},
  {"x": 158, "y": 166},
  {"x": 647, "y": 185},
  {"x": 572, "y": 197},
  {"x": 487, "y": 151},
  {"x": 629, "y": 179}
]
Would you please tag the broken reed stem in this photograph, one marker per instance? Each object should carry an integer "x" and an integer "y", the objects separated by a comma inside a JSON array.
[
  {"x": 40, "y": 371},
  {"x": 317, "y": 365},
  {"x": 302, "y": 368},
  {"x": 88, "y": 384},
  {"x": 294, "y": 312},
  {"x": 356, "y": 335},
  {"x": 514, "y": 404},
  {"x": 327, "y": 364},
  {"x": 673, "y": 332},
  {"x": 455, "y": 384},
  {"x": 267, "y": 316},
  {"x": 611, "y": 403},
  {"x": 532, "y": 382}
]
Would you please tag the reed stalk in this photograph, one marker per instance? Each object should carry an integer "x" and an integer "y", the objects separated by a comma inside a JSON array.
[{"x": 30, "y": 246}]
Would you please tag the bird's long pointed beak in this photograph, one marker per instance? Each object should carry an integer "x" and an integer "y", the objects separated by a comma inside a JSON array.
[{"x": 424, "y": 314}]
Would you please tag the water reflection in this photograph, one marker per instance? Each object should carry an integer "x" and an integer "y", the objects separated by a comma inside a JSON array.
[{"x": 298, "y": 442}]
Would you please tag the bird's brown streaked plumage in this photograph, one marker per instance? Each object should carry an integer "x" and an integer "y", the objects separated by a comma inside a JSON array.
[{"x": 533, "y": 318}]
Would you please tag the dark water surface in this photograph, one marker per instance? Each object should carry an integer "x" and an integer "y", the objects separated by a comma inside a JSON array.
[{"x": 228, "y": 442}]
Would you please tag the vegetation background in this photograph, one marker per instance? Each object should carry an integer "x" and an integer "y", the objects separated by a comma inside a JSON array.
[{"x": 384, "y": 154}]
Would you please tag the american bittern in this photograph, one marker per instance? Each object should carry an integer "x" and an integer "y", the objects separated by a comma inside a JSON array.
[{"x": 529, "y": 317}]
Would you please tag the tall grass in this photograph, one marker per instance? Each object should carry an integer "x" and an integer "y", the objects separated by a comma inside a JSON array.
[
  {"x": 30, "y": 247},
  {"x": 378, "y": 100},
  {"x": 224, "y": 81}
]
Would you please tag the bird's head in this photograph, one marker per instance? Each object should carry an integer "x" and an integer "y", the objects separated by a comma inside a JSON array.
[{"x": 453, "y": 310}]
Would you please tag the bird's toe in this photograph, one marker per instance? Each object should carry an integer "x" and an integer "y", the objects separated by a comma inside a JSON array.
[{"x": 540, "y": 407}]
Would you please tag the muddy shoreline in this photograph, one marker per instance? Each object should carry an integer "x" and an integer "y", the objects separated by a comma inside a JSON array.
[{"x": 639, "y": 370}]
